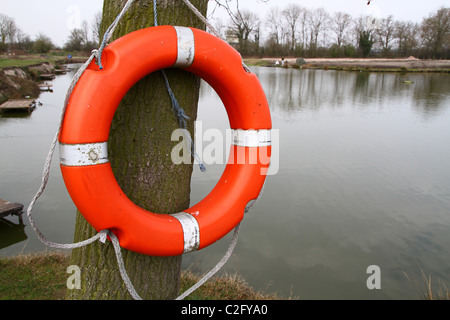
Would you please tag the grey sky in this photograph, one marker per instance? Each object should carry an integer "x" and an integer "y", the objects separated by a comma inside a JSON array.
[{"x": 56, "y": 18}]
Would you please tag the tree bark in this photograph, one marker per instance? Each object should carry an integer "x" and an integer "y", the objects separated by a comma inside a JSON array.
[{"x": 139, "y": 147}]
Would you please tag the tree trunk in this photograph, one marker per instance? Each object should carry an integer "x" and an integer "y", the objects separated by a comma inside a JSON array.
[{"x": 140, "y": 146}]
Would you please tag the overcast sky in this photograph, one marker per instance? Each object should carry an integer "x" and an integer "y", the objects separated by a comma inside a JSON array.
[{"x": 56, "y": 18}]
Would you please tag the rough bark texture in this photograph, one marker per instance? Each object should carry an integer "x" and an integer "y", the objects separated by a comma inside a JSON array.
[{"x": 140, "y": 148}]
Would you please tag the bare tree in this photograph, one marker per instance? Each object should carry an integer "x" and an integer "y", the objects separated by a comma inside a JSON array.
[
  {"x": 435, "y": 32},
  {"x": 242, "y": 22},
  {"x": 220, "y": 27},
  {"x": 273, "y": 19},
  {"x": 8, "y": 30},
  {"x": 24, "y": 41},
  {"x": 340, "y": 23},
  {"x": 291, "y": 16},
  {"x": 3, "y": 28},
  {"x": 386, "y": 32},
  {"x": 245, "y": 23},
  {"x": 317, "y": 23},
  {"x": 85, "y": 31},
  {"x": 96, "y": 25},
  {"x": 406, "y": 34},
  {"x": 303, "y": 23},
  {"x": 293, "y": 29}
]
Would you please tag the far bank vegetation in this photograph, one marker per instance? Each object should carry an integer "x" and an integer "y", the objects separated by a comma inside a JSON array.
[
  {"x": 290, "y": 31},
  {"x": 297, "y": 31}
]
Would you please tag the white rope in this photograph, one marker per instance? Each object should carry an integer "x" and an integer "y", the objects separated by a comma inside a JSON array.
[
  {"x": 122, "y": 270},
  {"x": 205, "y": 278},
  {"x": 209, "y": 25},
  {"x": 96, "y": 54},
  {"x": 214, "y": 270},
  {"x": 47, "y": 165},
  {"x": 203, "y": 19},
  {"x": 46, "y": 171},
  {"x": 110, "y": 31}
]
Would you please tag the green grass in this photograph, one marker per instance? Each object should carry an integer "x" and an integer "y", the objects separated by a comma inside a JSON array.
[
  {"x": 22, "y": 62},
  {"x": 259, "y": 62},
  {"x": 43, "y": 277},
  {"x": 30, "y": 60},
  {"x": 33, "y": 277},
  {"x": 226, "y": 287}
]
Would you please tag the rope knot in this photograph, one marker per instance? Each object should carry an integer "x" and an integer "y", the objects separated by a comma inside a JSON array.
[{"x": 103, "y": 236}]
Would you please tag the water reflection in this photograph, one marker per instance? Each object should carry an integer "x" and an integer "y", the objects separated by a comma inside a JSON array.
[
  {"x": 291, "y": 91},
  {"x": 364, "y": 179},
  {"x": 11, "y": 232}
]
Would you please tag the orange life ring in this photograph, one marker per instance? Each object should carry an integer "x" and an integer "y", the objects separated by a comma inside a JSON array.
[{"x": 85, "y": 131}]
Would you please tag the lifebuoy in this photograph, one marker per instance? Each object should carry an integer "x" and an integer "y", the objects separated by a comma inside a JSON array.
[{"x": 85, "y": 131}]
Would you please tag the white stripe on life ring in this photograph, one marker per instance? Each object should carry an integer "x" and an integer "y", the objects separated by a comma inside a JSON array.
[
  {"x": 191, "y": 231},
  {"x": 79, "y": 155},
  {"x": 186, "y": 47},
  {"x": 252, "y": 138}
]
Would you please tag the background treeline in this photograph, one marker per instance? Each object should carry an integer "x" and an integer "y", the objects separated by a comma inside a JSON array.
[
  {"x": 297, "y": 31},
  {"x": 293, "y": 31},
  {"x": 14, "y": 40}
]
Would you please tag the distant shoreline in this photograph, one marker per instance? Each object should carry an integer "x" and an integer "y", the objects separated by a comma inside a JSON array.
[{"x": 357, "y": 64}]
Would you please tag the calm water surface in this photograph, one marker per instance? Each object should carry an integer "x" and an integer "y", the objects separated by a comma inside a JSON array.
[{"x": 363, "y": 179}]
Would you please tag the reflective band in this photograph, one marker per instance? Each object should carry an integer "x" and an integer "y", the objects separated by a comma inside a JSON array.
[
  {"x": 78, "y": 155},
  {"x": 252, "y": 138},
  {"x": 186, "y": 47},
  {"x": 191, "y": 231}
]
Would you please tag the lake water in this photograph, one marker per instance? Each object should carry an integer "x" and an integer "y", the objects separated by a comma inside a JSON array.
[{"x": 363, "y": 179}]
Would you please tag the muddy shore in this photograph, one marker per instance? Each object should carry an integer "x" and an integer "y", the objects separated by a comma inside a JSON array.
[
  {"x": 19, "y": 83},
  {"x": 409, "y": 64}
]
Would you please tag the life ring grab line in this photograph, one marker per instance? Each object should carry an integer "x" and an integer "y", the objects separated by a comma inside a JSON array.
[{"x": 190, "y": 221}]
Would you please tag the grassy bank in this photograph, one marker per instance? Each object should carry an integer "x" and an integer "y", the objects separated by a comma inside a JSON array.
[
  {"x": 33, "y": 277},
  {"x": 20, "y": 63},
  {"x": 31, "y": 60},
  {"x": 25, "y": 61},
  {"x": 43, "y": 277}
]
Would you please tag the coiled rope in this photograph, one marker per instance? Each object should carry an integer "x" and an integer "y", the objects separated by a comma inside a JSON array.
[{"x": 102, "y": 235}]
